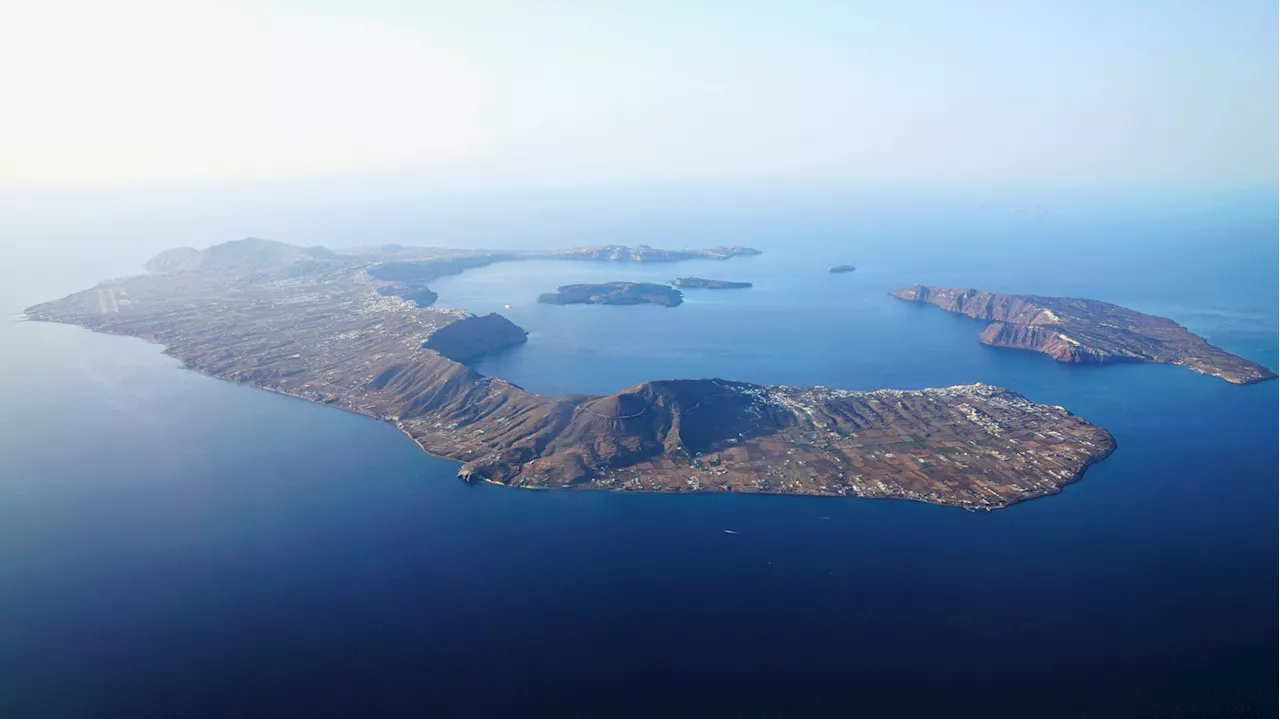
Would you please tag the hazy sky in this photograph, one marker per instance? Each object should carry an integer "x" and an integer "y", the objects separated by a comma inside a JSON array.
[{"x": 143, "y": 92}]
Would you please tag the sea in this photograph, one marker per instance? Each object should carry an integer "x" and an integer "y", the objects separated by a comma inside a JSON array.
[{"x": 177, "y": 546}]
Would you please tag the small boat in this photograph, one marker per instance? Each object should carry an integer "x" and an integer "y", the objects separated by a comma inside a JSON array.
[
  {"x": 506, "y": 307},
  {"x": 729, "y": 531}
]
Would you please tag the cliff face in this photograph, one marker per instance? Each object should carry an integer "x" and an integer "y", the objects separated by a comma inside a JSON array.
[
  {"x": 1042, "y": 339},
  {"x": 1077, "y": 330},
  {"x": 1018, "y": 309},
  {"x": 473, "y": 336}
]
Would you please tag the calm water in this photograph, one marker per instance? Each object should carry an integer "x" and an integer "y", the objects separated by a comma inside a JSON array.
[{"x": 172, "y": 545}]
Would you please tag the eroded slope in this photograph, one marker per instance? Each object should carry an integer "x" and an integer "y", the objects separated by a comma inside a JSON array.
[
  {"x": 322, "y": 331},
  {"x": 1077, "y": 330}
]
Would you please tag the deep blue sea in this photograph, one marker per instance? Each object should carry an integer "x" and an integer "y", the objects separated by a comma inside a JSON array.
[{"x": 177, "y": 546}]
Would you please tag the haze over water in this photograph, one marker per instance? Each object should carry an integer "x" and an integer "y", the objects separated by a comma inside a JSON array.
[{"x": 172, "y": 545}]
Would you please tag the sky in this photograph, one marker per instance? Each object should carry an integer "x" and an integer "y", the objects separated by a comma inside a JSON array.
[{"x": 171, "y": 92}]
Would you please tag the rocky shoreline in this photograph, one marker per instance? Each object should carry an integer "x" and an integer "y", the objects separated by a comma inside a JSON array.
[
  {"x": 1086, "y": 331},
  {"x": 321, "y": 331}
]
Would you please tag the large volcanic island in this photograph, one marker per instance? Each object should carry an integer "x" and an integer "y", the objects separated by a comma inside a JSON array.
[
  {"x": 313, "y": 324},
  {"x": 1076, "y": 330}
]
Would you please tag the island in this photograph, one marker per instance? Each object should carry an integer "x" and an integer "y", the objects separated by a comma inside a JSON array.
[
  {"x": 315, "y": 326},
  {"x": 404, "y": 271},
  {"x": 837, "y": 269},
  {"x": 1082, "y": 331},
  {"x": 613, "y": 293},
  {"x": 700, "y": 283}
]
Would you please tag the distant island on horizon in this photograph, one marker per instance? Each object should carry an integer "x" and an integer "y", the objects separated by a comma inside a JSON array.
[
  {"x": 337, "y": 329},
  {"x": 705, "y": 284}
]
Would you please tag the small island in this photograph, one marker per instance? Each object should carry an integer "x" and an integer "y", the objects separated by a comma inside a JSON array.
[
  {"x": 1086, "y": 331},
  {"x": 705, "y": 284},
  {"x": 613, "y": 293},
  {"x": 837, "y": 269}
]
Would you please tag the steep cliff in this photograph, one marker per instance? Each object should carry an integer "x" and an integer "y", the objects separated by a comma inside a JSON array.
[
  {"x": 1078, "y": 330},
  {"x": 474, "y": 336}
]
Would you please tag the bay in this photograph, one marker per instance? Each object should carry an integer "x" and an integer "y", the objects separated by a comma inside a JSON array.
[{"x": 173, "y": 545}]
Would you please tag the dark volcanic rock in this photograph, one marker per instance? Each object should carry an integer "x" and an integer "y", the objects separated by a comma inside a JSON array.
[
  {"x": 1076, "y": 330},
  {"x": 614, "y": 293},
  {"x": 700, "y": 283},
  {"x": 421, "y": 296},
  {"x": 475, "y": 336}
]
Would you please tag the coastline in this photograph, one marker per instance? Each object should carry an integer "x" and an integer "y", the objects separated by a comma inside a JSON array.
[{"x": 593, "y": 485}]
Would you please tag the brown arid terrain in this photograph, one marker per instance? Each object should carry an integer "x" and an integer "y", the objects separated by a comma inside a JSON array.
[
  {"x": 315, "y": 325},
  {"x": 1076, "y": 330}
]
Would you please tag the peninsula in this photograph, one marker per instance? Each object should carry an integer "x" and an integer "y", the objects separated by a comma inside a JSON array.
[
  {"x": 700, "y": 283},
  {"x": 613, "y": 293},
  {"x": 1078, "y": 331},
  {"x": 837, "y": 269},
  {"x": 313, "y": 325}
]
